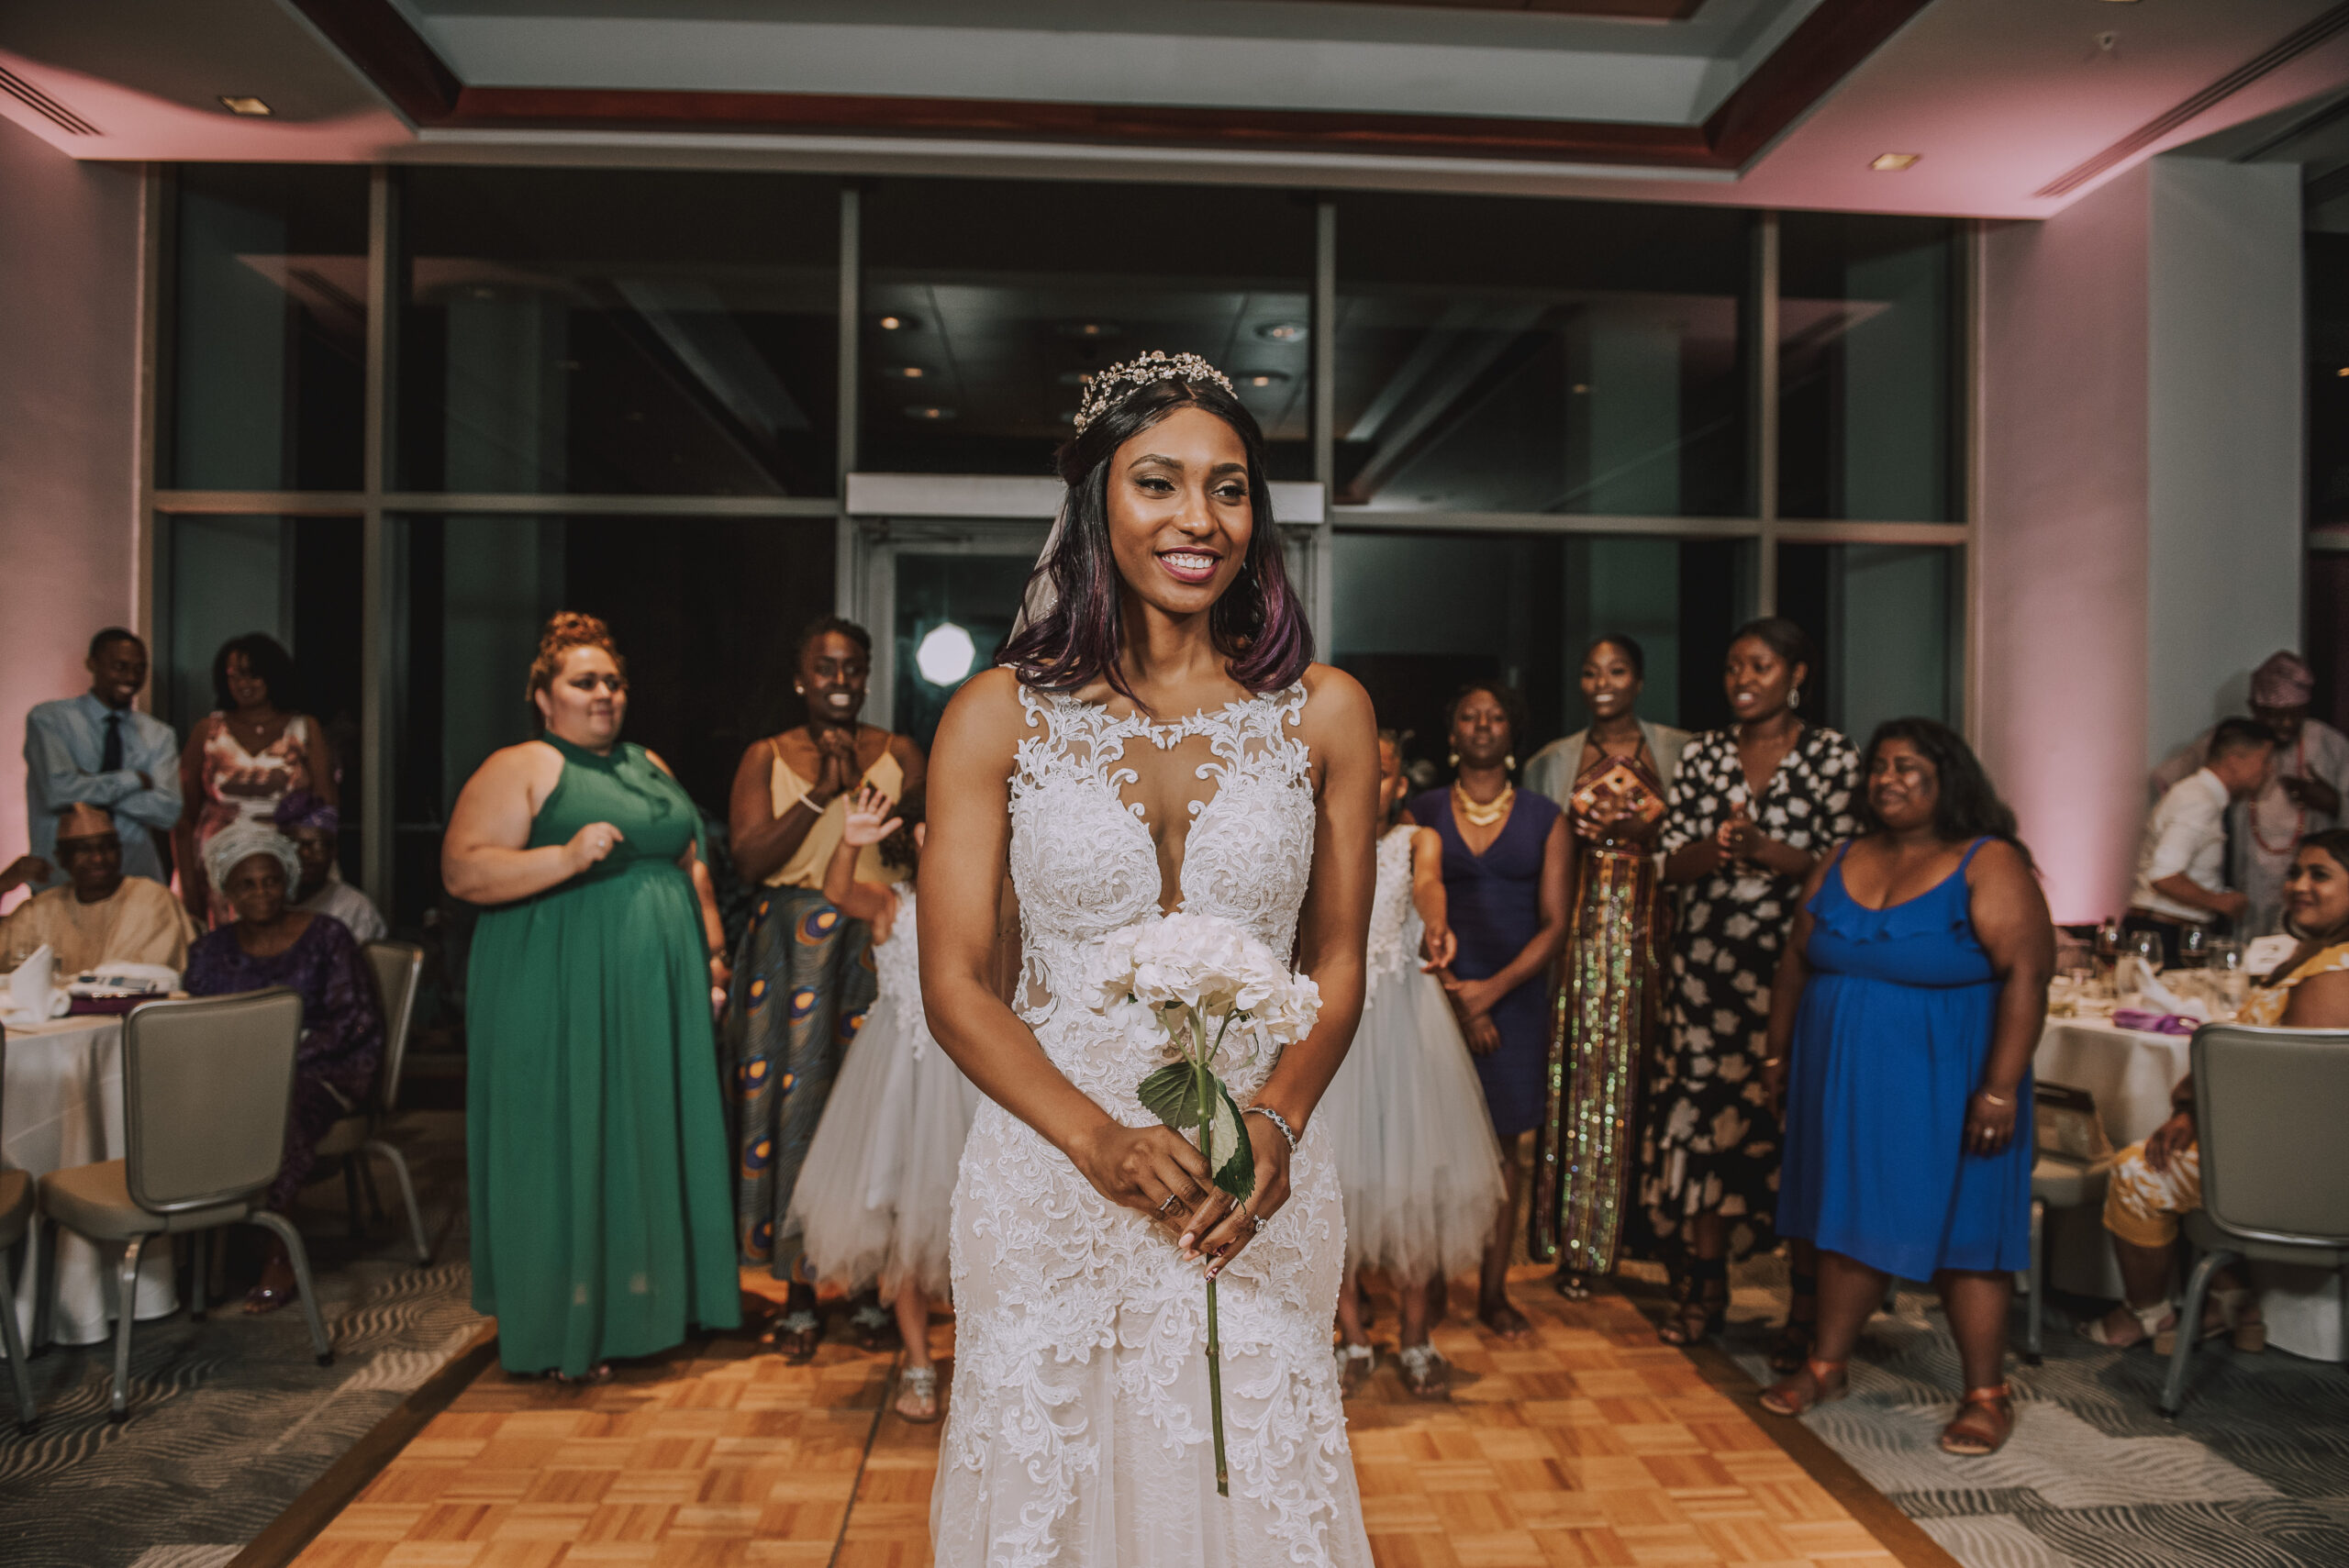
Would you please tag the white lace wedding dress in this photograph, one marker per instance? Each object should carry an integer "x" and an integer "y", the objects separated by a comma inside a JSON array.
[{"x": 1078, "y": 1429}]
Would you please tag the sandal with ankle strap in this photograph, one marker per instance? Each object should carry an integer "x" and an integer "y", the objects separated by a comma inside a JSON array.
[
  {"x": 1793, "y": 1346},
  {"x": 918, "y": 1383},
  {"x": 2158, "y": 1321},
  {"x": 1355, "y": 1363},
  {"x": 1807, "y": 1389},
  {"x": 1993, "y": 1406},
  {"x": 1426, "y": 1374},
  {"x": 1699, "y": 1310}
]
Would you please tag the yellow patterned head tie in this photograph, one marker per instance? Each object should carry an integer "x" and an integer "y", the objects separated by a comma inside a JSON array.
[{"x": 1103, "y": 391}]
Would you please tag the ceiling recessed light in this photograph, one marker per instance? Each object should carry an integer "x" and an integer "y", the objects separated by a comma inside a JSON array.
[
  {"x": 896, "y": 324},
  {"x": 1282, "y": 331},
  {"x": 2343, "y": 371},
  {"x": 1263, "y": 378},
  {"x": 1893, "y": 162},
  {"x": 1581, "y": 387},
  {"x": 910, "y": 372},
  {"x": 928, "y": 411},
  {"x": 244, "y": 105},
  {"x": 1090, "y": 330}
]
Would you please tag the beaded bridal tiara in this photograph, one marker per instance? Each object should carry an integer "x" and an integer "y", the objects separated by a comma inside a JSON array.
[{"x": 1103, "y": 391}]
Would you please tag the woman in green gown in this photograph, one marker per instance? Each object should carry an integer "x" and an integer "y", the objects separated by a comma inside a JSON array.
[{"x": 602, "y": 1212}]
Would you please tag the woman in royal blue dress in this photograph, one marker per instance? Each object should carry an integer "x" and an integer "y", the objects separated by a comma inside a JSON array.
[
  {"x": 1902, "y": 1030},
  {"x": 1505, "y": 882}
]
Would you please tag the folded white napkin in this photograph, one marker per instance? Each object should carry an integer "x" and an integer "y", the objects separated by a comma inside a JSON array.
[
  {"x": 33, "y": 997},
  {"x": 2160, "y": 998}
]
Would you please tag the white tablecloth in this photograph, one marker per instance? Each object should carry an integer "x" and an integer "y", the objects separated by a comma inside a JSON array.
[
  {"x": 2131, "y": 1073},
  {"x": 64, "y": 1107}
]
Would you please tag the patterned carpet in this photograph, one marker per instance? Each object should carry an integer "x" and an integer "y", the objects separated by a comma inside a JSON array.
[
  {"x": 2254, "y": 1473},
  {"x": 231, "y": 1418}
]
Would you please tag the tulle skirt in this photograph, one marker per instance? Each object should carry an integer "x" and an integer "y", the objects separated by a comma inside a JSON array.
[
  {"x": 1417, "y": 1161},
  {"x": 875, "y": 1200}
]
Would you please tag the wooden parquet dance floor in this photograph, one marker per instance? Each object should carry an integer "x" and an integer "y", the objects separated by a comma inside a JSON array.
[{"x": 1589, "y": 1443}]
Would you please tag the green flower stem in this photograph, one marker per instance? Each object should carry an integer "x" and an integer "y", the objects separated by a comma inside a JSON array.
[
  {"x": 1215, "y": 1392},
  {"x": 1207, "y": 1153}
]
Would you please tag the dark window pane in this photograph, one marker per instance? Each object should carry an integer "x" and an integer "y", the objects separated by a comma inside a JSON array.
[
  {"x": 707, "y": 612},
  {"x": 268, "y": 336},
  {"x": 984, "y": 302},
  {"x": 296, "y": 579},
  {"x": 618, "y": 332},
  {"x": 1868, "y": 367},
  {"x": 2327, "y": 272},
  {"x": 1418, "y": 614},
  {"x": 1884, "y": 618},
  {"x": 947, "y": 603},
  {"x": 1542, "y": 356}
]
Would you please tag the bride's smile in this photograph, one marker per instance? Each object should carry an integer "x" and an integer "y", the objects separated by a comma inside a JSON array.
[{"x": 1180, "y": 513}]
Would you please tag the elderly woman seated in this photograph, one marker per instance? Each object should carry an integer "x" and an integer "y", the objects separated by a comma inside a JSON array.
[
  {"x": 252, "y": 868},
  {"x": 2155, "y": 1183}
]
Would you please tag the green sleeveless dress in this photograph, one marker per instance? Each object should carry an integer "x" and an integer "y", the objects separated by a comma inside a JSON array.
[{"x": 603, "y": 1214}]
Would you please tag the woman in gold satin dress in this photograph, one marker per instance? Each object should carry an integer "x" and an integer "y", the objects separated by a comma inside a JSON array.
[{"x": 1612, "y": 778}]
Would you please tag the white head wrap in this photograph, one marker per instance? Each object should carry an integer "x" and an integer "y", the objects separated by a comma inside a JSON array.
[{"x": 242, "y": 840}]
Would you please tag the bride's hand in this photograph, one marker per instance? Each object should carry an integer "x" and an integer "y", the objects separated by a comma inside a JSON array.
[
  {"x": 1229, "y": 1227},
  {"x": 1153, "y": 1169}
]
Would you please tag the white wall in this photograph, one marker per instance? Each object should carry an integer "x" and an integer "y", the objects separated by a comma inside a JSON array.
[
  {"x": 2227, "y": 467},
  {"x": 69, "y": 538}
]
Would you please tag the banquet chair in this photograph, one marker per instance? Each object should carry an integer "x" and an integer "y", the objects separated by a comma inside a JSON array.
[
  {"x": 2055, "y": 1183},
  {"x": 399, "y": 969},
  {"x": 206, "y": 1087},
  {"x": 16, "y": 1220},
  {"x": 2268, "y": 1103}
]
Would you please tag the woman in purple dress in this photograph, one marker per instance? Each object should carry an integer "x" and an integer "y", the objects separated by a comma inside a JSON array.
[
  {"x": 1505, "y": 882},
  {"x": 252, "y": 866}
]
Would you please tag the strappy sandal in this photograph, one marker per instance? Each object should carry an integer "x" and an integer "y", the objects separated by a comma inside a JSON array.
[
  {"x": 795, "y": 1334},
  {"x": 1503, "y": 1319},
  {"x": 918, "y": 1383},
  {"x": 600, "y": 1372},
  {"x": 1574, "y": 1286},
  {"x": 1801, "y": 1333},
  {"x": 874, "y": 1326},
  {"x": 1355, "y": 1363},
  {"x": 1985, "y": 1420},
  {"x": 2159, "y": 1323},
  {"x": 1815, "y": 1383},
  {"x": 1700, "y": 1304},
  {"x": 1426, "y": 1374}
]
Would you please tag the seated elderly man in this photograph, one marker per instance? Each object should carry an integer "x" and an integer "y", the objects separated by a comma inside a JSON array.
[
  {"x": 98, "y": 916},
  {"x": 313, "y": 825}
]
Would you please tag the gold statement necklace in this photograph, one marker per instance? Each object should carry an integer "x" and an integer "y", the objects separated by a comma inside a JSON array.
[{"x": 1492, "y": 811}]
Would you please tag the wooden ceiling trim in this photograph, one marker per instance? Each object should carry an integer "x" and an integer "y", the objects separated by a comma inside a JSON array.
[{"x": 1825, "y": 49}]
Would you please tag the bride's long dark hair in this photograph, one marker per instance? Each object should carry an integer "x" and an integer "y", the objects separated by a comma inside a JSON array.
[{"x": 1258, "y": 625}]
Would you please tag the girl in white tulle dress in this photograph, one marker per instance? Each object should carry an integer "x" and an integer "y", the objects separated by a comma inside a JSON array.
[
  {"x": 875, "y": 1194},
  {"x": 1416, "y": 1160}
]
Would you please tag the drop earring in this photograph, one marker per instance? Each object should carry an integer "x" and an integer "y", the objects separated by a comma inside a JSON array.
[
  {"x": 1794, "y": 697},
  {"x": 1510, "y": 761},
  {"x": 1455, "y": 759}
]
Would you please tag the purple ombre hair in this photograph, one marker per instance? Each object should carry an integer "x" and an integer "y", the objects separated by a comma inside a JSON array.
[{"x": 1258, "y": 624}]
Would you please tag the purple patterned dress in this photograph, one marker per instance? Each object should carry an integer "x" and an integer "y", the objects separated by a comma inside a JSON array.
[{"x": 342, "y": 1028}]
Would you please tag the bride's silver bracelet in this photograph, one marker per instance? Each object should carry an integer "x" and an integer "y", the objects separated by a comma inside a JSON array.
[{"x": 1278, "y": 1120}]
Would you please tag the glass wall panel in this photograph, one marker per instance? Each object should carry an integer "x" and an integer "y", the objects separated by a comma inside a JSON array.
[
  {"x": 1868, "y": 367},
  {"x": 2326, "y": 270},
  {"x": 952, "y": 612},
  {"x": 1417, "y": 615},
  {"x": 295, "y": 579},
  {"x": 573, "y": 332},
  {"x": 986, "y": 303},
  {"x": 707, "y": 612},
  {"x": 1542, "y": 356},
  {"x": 1886, "y": 619},
  {"x": 267, "y": 343}
]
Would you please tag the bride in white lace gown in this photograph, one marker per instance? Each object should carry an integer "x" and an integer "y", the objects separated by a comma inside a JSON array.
[{"x": 1158, "y": 740}]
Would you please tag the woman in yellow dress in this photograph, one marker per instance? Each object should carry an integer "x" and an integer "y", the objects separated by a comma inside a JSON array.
[
  {"x": 1612, "y": 778},
  {"x": 804, "y": 975}
]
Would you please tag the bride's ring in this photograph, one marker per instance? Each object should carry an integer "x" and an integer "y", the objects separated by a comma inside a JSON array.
[
  {"x": 1255, "y": 1223},
  {"x": 1170, "y": 1203}
]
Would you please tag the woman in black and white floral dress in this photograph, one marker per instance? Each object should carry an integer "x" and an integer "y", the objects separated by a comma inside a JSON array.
[{"x": 1752, "y": 809}]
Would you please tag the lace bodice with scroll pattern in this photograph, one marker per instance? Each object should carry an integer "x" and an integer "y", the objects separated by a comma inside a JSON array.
[
  {"x": 1085, "y": 864},
  {"x": 1395, "y": 924}
]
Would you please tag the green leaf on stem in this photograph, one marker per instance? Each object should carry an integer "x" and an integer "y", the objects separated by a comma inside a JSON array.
[
  {"x": 1237, "y": 1174},
  {"x": 1171, "y": 1094}
]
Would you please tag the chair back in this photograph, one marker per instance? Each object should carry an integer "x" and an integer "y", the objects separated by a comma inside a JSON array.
[
  {"x": 207, "y": 1084},
  {"x": 2270, "y": 1106},
  {"x": 400, "y": 970}
]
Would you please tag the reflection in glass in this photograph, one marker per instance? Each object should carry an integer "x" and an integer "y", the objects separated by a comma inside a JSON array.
[
  {"x": 1542, "y": 356},
  {"x": 1885, "y": 617},
  {"x": 618, "y": 332},
  {"x": 986, "y": 304},
  {"x": 1868, "y": 367},
  {"x": 1417, "y": 615},
  {"x": 297, "y": 579},
  {"x": 707, "y": 612},
  {"x": 268, "y": 330},
  {"x": 938, "y": 595}
]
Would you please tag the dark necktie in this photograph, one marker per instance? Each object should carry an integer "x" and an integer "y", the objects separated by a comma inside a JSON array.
[{"x": 110, "y": 755}]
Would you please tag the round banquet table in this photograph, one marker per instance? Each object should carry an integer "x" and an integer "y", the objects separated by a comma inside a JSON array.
[
  {"x": 63, "y": 1106},
  {"x": 2130, "y": 1072}
]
